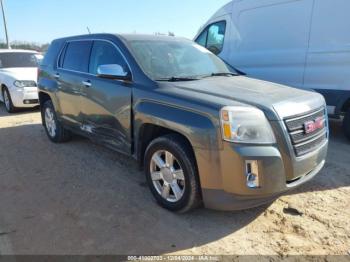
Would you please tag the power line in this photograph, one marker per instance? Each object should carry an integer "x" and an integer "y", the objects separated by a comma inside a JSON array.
[{"x": 5, "y": 25}]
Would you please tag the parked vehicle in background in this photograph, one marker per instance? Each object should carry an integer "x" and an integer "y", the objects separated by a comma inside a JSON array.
[
  {"x": 300, "y": 43},
  {"x": 201, "y": 131},
  {"x": 39, "y": 58},
  {"x": 18, "y": 79}
]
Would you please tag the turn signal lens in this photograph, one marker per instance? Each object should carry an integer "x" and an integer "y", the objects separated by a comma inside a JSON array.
[{"x": 227, "y": 131}]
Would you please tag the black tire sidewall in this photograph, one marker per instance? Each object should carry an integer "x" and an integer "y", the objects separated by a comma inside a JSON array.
[
  {"x": 48, "y": 104},
  {"x": 12, "y": 108},
  {"x": 185, "y": 162}
]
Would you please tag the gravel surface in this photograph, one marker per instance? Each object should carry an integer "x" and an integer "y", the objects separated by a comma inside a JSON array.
[{"x": 80, "y": 198}]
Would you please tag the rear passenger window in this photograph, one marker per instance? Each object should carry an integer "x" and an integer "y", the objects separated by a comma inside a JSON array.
[
  {"x": 77, "y": 56},
  {"x": 213, "y": 37},
  {"x": 104, "y": 53}
]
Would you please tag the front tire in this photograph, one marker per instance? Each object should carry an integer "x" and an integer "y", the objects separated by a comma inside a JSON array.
[
  {"x": 346, "y": 124},
  {"x": 54, "y": 129},
  {"x": 171, "y": 173},
  {"x": 8, "y": 101}
]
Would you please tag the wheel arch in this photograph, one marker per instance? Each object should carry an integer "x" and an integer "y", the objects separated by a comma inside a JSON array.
[
  {"x": 154, "y": 118},
  {"x": 12, "y": 108},
  {"x": 150, "y": 131},
  {"x": 2, "y": 88},
  {"x": 43, "y": 97}
]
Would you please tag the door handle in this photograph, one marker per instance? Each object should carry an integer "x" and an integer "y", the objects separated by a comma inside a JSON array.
[
  {"x": 57, "y": 76},
  {"x": 87, "y": 83}
]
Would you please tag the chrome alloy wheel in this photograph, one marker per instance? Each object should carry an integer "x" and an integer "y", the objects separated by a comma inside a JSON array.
[
  {"x": 7, "y": 100},
  {"x": 167, "y": 176},
  {"x": 50, "y": 122}
]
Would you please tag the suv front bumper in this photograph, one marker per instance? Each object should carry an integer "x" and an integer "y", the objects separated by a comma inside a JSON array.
[
  {"x": 230, "y": 191},
  {"x": 24, "y": 97}
]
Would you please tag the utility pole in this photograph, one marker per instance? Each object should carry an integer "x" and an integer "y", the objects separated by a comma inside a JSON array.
[{"x": 5, "y": 25}]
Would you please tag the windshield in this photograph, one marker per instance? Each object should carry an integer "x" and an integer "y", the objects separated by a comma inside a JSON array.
[
  {"x": 162, "y": 59},
  {"x": 11, "y": 60}
]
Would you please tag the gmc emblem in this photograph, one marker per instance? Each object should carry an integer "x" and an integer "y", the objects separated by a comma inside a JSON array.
[{"x": 312, "y": 126}]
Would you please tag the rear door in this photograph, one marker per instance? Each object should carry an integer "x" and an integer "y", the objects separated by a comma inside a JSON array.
[
  {"x": 73, "y": 67},
  {"x": 106, "y": 103}
]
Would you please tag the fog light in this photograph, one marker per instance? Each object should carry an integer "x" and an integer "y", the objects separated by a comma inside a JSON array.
[{"x": 252, "y": 173}]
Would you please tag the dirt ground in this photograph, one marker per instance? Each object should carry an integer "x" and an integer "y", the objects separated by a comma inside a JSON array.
[{"x": 80, "y": 198}]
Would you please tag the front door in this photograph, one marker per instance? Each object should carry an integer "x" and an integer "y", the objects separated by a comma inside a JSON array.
[{"x": 106, "y": 103}]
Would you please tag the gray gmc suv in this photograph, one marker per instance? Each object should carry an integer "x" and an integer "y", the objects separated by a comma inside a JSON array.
[{"x": 203, "y": 132}]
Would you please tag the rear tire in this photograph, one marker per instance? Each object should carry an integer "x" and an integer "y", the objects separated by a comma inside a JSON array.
[
  {"x": 8, "y": 100},
  {"x": 54, "y": 129},
  {"x": 346, "y": 124},
  {"x": 176, "y": 185}
]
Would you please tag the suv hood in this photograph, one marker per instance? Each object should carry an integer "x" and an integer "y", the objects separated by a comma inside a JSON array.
[
  {"x": 21, "y": 73},
  {"x": 277, "y": 101}
]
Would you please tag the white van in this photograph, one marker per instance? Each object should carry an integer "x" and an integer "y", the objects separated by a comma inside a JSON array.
[{"x": 300, "y": 43}]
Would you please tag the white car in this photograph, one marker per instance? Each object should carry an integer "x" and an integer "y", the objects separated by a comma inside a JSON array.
[{"x": 18, "y": 79}]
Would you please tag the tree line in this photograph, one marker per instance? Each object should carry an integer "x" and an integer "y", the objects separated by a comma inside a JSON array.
[{"x": 26, "y": 45}]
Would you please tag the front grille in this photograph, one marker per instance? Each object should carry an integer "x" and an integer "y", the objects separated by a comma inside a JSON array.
[{"x": 302, "y": 141}]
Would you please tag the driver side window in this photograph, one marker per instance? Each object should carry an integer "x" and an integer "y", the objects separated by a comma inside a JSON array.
[
  {"x": 213, "y": 37},
  {"x": 104, "y": 53}
]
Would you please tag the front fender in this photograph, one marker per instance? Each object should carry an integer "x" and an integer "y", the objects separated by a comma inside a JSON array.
[
  {"x": 7, "y": 81},
  {"x": 197, "y": 127},
  {"x": 48, "y": 86},
  {"x": 200, "y": 129}
]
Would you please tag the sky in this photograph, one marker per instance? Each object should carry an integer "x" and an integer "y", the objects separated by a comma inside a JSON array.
[{"x": 41, "y": 21}]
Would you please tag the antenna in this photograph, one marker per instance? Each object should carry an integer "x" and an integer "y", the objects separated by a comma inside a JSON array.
[
  {"x": 5, "y": 25},
  {"x": 88, "y": 29}
]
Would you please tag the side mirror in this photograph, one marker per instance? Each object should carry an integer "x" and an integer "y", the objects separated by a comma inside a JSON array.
[{"x": 113, "y": 71}]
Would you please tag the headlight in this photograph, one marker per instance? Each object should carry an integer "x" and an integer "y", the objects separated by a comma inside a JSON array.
[
  {"x": 246, "y": 125},
  {"x": 26, "y": 83}
]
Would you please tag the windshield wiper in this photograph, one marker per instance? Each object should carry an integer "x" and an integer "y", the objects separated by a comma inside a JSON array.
[
  {"x": 224, "y": 74},
  {"x": 220, "y": 74},
  {"x": 177, "y": 79}
]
